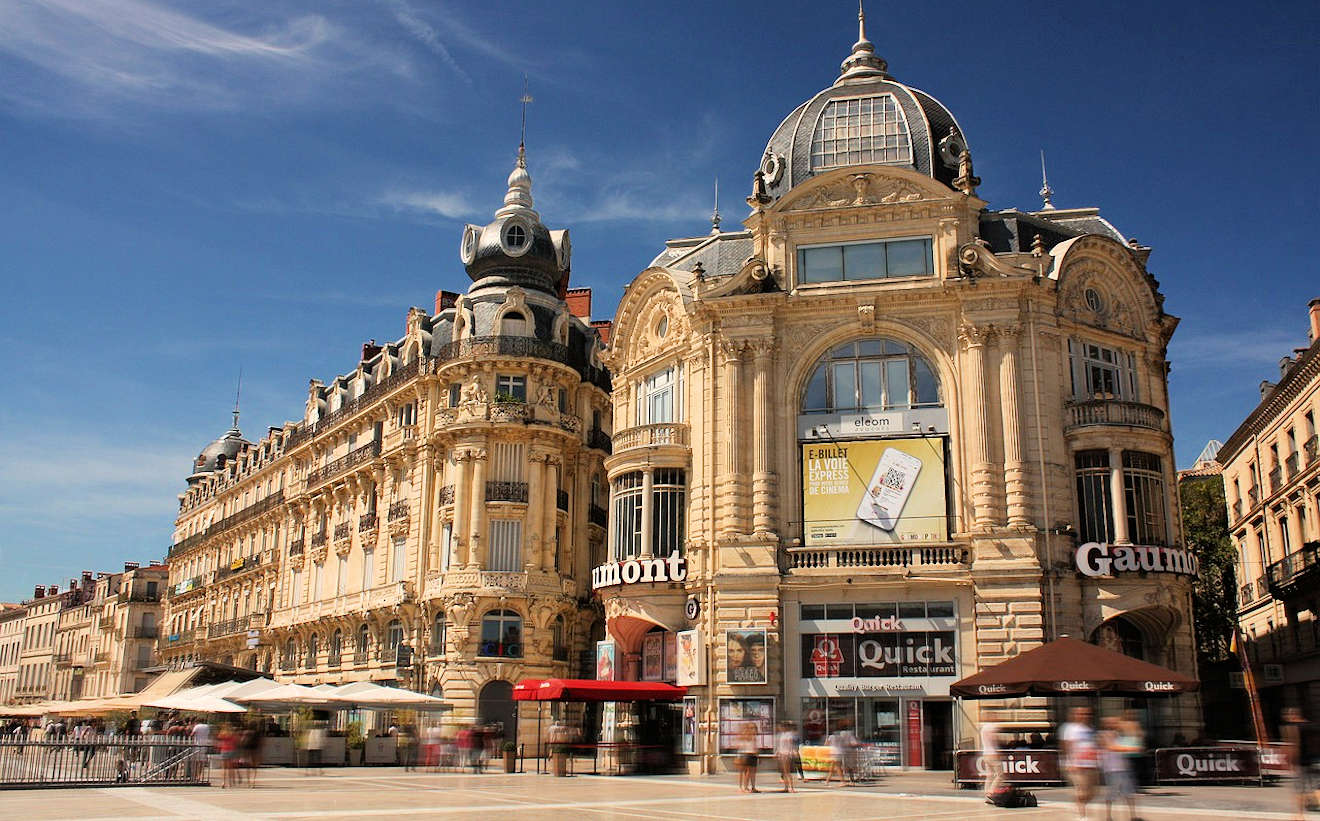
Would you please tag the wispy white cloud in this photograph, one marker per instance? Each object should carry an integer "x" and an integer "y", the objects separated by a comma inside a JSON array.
[
  {"x": 448, "y": 204},
  {"x": 426, "y": 34},
  {"x": 76, "y": 55},
  {"x": 1227, "y": 348}
]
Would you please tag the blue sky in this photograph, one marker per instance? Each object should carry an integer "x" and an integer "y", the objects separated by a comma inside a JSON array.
[{"x": 188, "y": 188}]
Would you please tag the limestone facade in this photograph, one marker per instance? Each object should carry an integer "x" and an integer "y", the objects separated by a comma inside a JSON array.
[
  {"x": 11, "y": 645},
  {"x": 1271, "y": 469},
  {"x": 430, "y": 520},
  {"x": 1018, "y": 372}
]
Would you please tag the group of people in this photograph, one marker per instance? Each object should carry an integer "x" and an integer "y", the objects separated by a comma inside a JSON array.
[
  {"x": 239, "y": 748},
  {"x": 844, "y": 755},
  {"x": 1105, "y": 759}
]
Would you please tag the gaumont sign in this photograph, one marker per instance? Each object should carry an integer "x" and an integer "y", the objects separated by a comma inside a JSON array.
[
  {"x": 672, "y": 568},
  {"x": 1017, "y": 766},
  {"x": 1097, "y": 559},
  {"x": 1207, "y": 764}
]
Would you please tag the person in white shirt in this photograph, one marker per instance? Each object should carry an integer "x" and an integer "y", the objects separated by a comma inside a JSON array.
[
  {"x": 1080, "y": 756},
  {"x": 990, "y": 759}
]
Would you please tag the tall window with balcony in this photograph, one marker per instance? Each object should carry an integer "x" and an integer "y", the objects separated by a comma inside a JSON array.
[
  {"x": 506, "y": 545},
  {"x": 660, "y": 397},
  {"x": 393, "y": 638},
  {"x": 398, "y": 558},
  {"x": 341, "y": 575},
  {"x": 510, "y": 388},
  {"x": 1099, "y": 372},
  {"x": 368, "y": 568},
  {"x": 438, "y": 634}
]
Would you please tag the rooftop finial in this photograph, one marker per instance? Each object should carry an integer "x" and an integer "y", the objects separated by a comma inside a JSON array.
[
  {"x": 1045, "y": 191},
  {"x": 863, "y": 62},
  {"x": 715, "y": 215},
  {"x": 519, "y": 196},
  {"x": 524, "y": 99},
  {"x": 238, "y": 394}
]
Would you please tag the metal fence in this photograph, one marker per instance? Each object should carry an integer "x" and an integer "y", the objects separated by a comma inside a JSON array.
[{"x": 103, "y": 761}]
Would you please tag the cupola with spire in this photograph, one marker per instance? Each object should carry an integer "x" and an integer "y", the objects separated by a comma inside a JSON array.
[
  {"x": 516, "y": 249},
  {"x": 865, "y": 117}
]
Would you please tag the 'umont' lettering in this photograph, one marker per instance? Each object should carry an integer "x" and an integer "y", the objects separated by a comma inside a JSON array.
[{"x": 672, "y": 568}]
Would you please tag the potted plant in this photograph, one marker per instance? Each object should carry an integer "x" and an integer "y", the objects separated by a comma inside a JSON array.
[
  {"x": 357, "y": 743},
  {"x": 510, "y": 761}
]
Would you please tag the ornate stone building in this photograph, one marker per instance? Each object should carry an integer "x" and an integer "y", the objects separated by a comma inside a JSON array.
[
  {"x": 876, "y": 430},
  {"x": 1272, "y": 489},
  {"x": 432, "y": 518}
]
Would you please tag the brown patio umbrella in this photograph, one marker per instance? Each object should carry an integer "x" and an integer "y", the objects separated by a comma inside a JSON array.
[{"x": 1068, "y": 666}]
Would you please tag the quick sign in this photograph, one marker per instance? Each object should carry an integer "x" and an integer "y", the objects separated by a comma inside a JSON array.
[
  {"x": 634, "y": 571},
  {"x": 1017, "y": 766},
  {"x": 1207, "y": 764},
  {"x": 1097, "y": 559},
  {"x": 905, "y": 654}
]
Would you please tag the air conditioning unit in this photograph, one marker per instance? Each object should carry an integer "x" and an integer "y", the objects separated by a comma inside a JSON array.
[{"x": 1271, "y": 673}]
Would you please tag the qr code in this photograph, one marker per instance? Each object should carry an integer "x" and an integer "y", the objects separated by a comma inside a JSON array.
[{"x": 893, "y": 478}]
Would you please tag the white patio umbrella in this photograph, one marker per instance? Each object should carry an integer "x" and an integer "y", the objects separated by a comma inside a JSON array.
[{"x": 375, "y": 696}]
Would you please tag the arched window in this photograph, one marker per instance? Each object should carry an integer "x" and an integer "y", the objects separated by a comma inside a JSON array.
[
  {"x": 438, "y": 634},
  {"x": 501, "y": 634},
  {"x": 861, "y": 131},
  {"x": 290, "y": 653},
  {"x": 363, "y": 640},
  {"x": 313, "y": 649},
  {"x": 513, "y": 324},
  {"x": 394, "y": 635},
  {"x": 559, "y": 639},
  {"x": 871, "y": 374},
  {"x": 336, "y": 647}
]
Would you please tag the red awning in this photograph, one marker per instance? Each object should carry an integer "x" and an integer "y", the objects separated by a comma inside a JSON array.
[
  {"x": 1068, "y": 666},
  {"x": 577, "y": 689}
]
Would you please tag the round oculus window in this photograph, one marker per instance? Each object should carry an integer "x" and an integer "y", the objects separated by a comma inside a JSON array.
[
  {"x": 1094, "y": 300},
  {"x": 467, "y": 251},
  {"x": 662, "y": 327},
  {"x": 516, "y": 238}
]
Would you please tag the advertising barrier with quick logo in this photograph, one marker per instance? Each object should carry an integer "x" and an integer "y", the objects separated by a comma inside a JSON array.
[
  {"x": 1018, "y": 766},
  {"x": 1207, "y": 764}
]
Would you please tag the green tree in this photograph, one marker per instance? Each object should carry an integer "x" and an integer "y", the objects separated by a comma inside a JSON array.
[{"x": 1214, "y": 597}]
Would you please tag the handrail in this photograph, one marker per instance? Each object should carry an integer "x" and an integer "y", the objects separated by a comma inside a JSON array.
[
  {"x": 344, "y": 463},
  {"x": 1114, "y": 412}
]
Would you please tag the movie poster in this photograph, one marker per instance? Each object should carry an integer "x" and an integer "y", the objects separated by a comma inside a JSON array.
[
  {"x": 691, "y": 659},
  {"x": 653, "y": 650},
  {"x": 671, "y": 657},
  {"x": 881, "y": 491},
  {"x": 689, "y": 728},
  {"x": 746, "y": 656},
  {"x": 735, "y": 713},
  {"x": 605, "y": 661}
]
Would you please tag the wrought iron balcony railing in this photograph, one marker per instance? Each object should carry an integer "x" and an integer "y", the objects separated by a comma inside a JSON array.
[
  {"x": 506, "y": 492},
  {"x": 367, "y": 523},
  {"x": 600, "y": 440},
  {"x": 344, "y": 464},
  {"x": 596, "y": 515},
  {"x": 398, "y": 510}
]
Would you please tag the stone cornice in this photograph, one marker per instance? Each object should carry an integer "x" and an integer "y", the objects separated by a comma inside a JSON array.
[{"x": 1301, "y": 374}]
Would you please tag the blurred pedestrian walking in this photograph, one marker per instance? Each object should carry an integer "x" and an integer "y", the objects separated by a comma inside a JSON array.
[
  {"x": 1080, "y": 757},
  {"x": 786, "y": 754}
]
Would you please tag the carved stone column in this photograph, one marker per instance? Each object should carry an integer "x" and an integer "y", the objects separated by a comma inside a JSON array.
[
  {"x": 648, "y": 496},
  {"x": 535, "y": 517},
  {"x": 477, "y": 517},
  {"x": 550, "y": 513},
  {"x": 973, "y": 340},
  {"x": 1015, "y": 468},
  {"x": 462, "y": 556},
  {"x": 763, "y": 431},
  {"x": 732, "y": 481},
  {"x": 428, "y": 552}
]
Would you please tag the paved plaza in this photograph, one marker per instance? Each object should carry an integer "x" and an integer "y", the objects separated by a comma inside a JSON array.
[{"x": 388, "y": 793}]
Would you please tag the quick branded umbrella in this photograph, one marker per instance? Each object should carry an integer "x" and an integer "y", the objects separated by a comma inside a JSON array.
[{"x": 1067, "y": 666}]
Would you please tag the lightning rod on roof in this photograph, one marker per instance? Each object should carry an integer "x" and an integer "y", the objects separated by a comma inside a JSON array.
[
  {"x": 1045, "y": 191},
  {"x": 715, "y": 215}
]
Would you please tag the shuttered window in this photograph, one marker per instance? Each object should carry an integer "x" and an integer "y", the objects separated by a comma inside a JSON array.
[{"x": 506, "y": 545}]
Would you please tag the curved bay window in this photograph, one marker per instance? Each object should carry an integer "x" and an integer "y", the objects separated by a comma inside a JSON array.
[
  {"x": 627, "y": 515},
  {"x": 501, "y": 635},
  {"x": 871, "y": 375},
  {"x": 1143, "y": 489},
  {"x": 1094, "y": 502},
  {"x": 668, "y": 503},
  {"x": 649, "y": 508}
]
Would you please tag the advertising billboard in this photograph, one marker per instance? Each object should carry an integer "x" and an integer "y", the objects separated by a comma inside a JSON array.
[{"x": 879, "y": 491}]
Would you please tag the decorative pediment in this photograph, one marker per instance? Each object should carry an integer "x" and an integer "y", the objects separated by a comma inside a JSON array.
[
  {"x": 880, "y": 187},
  {"x": 1102, "y": 285}
]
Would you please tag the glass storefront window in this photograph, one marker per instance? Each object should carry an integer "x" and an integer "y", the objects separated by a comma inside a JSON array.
[{"x": 878, "y": 724}]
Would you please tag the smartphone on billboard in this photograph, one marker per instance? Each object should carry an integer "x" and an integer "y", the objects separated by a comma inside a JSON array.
[{"x": 889, "y": 488}]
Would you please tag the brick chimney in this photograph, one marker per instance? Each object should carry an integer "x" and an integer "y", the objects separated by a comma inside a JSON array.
[
  {"x": 39, "y": 592},
  {"x": 369, "y": 349},
  {"x": 444, "y": 300},
  {"x": 131, "y": 566},
  {"x": 1313, "y": 308}
]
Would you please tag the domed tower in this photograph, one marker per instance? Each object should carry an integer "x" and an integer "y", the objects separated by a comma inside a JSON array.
[
  {"x": 523, "y": 410},
  {"x": 219, "y": 454},
  {"x": 865, "y": 118}
]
